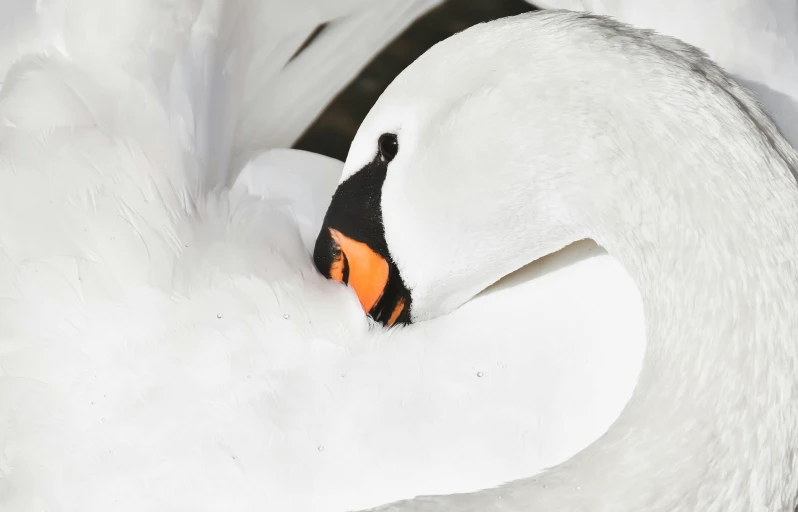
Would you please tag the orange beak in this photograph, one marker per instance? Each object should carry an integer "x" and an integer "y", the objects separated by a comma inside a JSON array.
[{"x": 357, "y": 265}]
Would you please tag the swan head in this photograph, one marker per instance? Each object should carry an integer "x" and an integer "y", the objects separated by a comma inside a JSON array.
[{"x": 458, "y": 176}]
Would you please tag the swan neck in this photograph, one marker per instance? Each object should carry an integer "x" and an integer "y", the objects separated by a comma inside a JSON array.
[{"x": 713, "y": 419}]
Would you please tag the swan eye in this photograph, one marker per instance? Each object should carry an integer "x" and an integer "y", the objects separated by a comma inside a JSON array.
[{"x": 388, "y": 146}]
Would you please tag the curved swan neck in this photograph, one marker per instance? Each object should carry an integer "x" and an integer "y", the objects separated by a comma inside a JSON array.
[
  {"x": 708, "y": 230},
  {"x": 713, "y": 422}
]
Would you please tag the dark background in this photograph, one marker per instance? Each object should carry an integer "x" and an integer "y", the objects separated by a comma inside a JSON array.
[{"x": 334, "y": 130}]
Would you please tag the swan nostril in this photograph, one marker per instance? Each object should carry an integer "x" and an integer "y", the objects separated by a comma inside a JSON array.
[
  {"x": 328, "y": 258},
  {"x": 345, "y": 270},
  {"x": 339, "y": 266}
]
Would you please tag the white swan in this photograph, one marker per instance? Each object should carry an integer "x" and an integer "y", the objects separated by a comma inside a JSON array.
[
  {"x": 165, "y": 341},
  {"x": 511, "y": 140},
  {"x": 754, "y": 40}
]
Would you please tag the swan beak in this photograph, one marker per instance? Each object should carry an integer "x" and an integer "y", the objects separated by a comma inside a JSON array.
[
  {"x": 351, "y": 247},
  {"x": 372, "y": 276}
]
